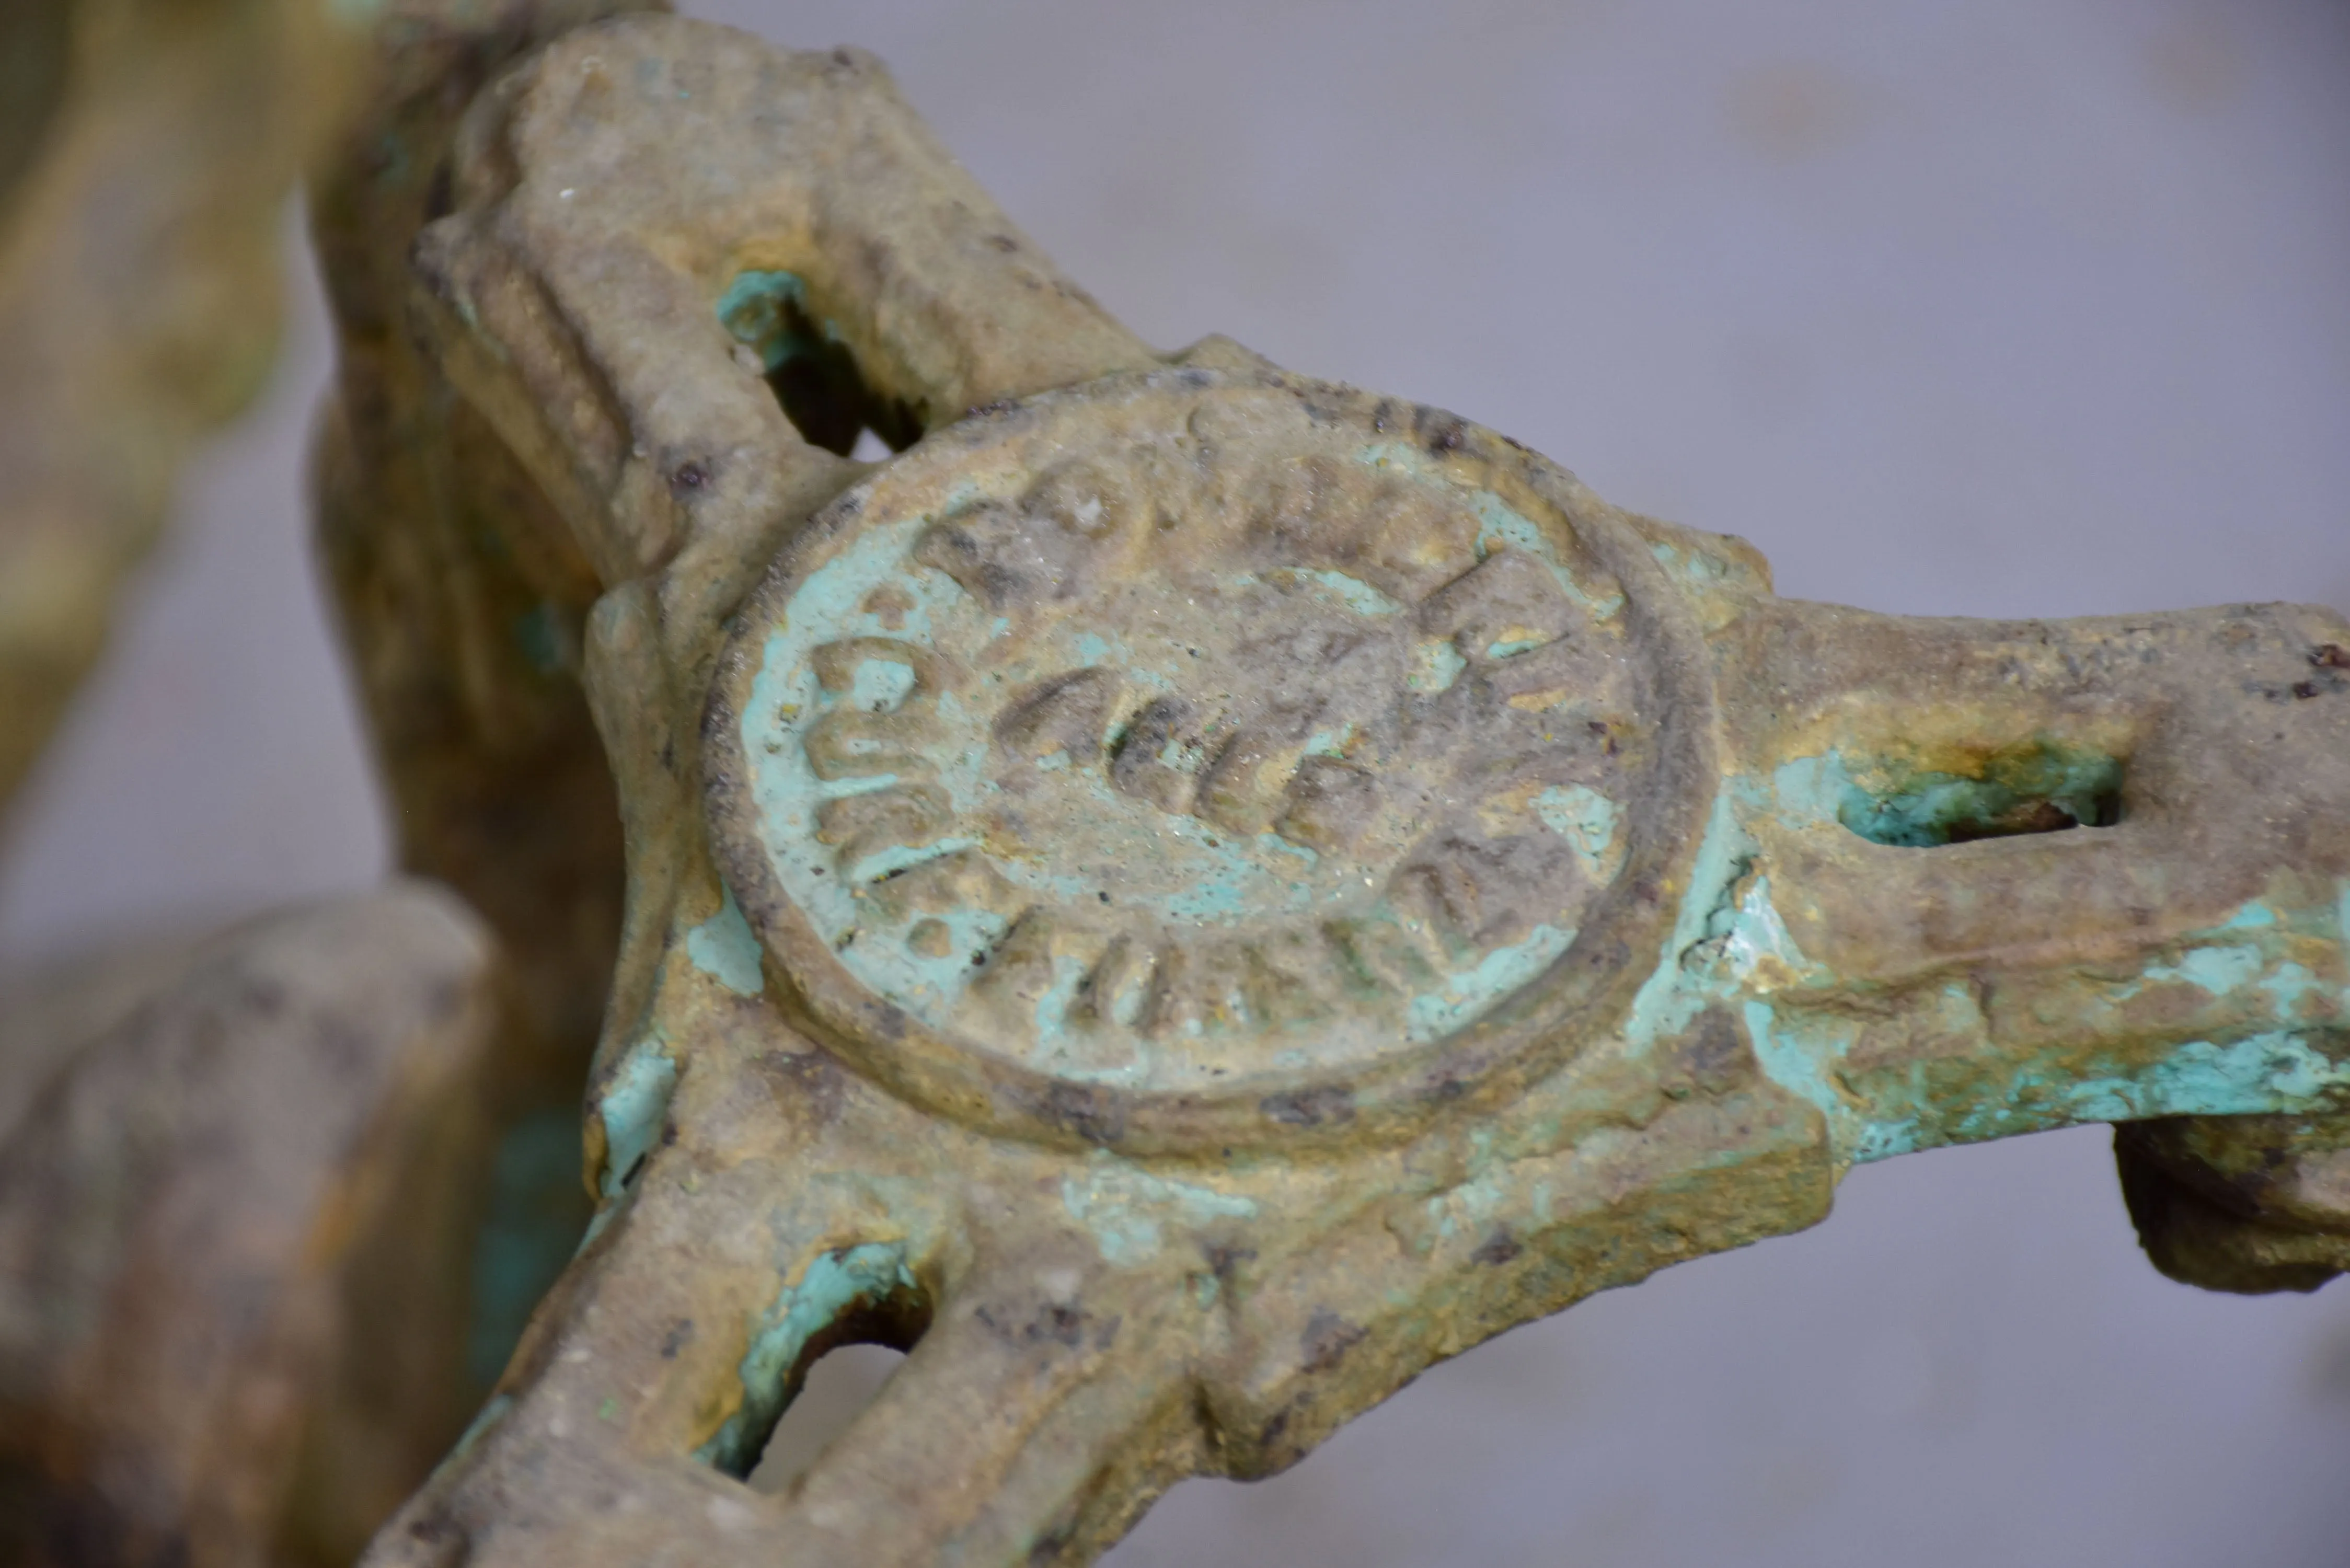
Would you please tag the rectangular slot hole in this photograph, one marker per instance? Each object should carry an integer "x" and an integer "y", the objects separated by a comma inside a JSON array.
[
  {"x": 855, "y": 1299},
  {"x": 2039, "y": 787},
  {"x": 814, "y": 376},
  {"x": 837, "y": 1390}
]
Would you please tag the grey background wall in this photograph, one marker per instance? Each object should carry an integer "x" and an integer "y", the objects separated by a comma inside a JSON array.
[{"x": 2013, "y": 308}]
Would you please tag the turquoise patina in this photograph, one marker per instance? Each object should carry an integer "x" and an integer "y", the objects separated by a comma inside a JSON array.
[
  {"x": 2036, "y": 787},
  {"x": 1127, "y": 1209},
  {"x": 537, "y": 1212},
  {"x": 634, "y": 1101},
  {"x": 766, "y": 313},
  {"x": 832, "y": 1285},
  {"x": 886, "y": 678},
  {"x": 1730, "y": 947},
  {"x": 724, "y": 948}
]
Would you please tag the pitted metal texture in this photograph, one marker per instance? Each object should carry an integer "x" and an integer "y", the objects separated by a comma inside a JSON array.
[
  {"x": 1232, "y": 750},
  {"x": 1190, "y": 893}
]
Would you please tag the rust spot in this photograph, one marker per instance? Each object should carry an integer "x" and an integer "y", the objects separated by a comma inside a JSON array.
[
  {"x": 1326, "y": 1339},
  {"x": 889, "y": 604},
  {"x": 1054, "y": 1323},
  {"x": 1096, "y": 1116},
  {"x": 2028, "y": 817},
  {"x": 1224, "y": 1260},
  {"x": 1443, "y": 1085},
  {"x": 1311, "y": 1108},
  {"x": 1716, "y": 1057},
  {"x": 1497, "y": 1249},
  {"x": 1442, "y": 432},
  {"x": 808, "y": 1078},
  {"x": 1052, "y": 1544},
  {"x": 2330, "y": 655},
  {"x": 430, "y": 1528}
]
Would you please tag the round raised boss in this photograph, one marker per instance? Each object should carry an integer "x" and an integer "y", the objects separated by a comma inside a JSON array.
[{"x": 1195, "y": 757}]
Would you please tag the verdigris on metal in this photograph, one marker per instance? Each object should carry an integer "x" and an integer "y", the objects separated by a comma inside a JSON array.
[{"x": 1192, "y": 892}]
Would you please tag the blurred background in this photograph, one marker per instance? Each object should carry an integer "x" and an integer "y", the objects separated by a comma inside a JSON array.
[{"x": 2013, "y": 308}]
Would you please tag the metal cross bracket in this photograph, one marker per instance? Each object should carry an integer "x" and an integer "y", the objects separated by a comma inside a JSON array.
[{"x": 1191, "y": 893}]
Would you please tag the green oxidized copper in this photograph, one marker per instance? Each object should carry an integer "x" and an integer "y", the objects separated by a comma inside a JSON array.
[
  {"x": 1092, "y": 771},
  {"x": 1191, "y": 893}
]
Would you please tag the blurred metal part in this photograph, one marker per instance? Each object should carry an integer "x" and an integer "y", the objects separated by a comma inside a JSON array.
[
  {"x": 459, "y": 599},
  {"x": 238, "y": 1221},
  {"x": 240, "y": 1407},
  {"x": 916, "y": 1037},
  {"x": 2247, "y": 1204},
  {"x": 147, "y": 148},
  {"x": 240, "y": 1233}
]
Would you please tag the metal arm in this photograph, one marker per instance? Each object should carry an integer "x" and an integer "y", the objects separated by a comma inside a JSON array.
[{"x": 1192, "y": 893}]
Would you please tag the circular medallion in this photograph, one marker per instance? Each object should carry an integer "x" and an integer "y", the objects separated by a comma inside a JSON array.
[{"x": 1186, "y": 755}]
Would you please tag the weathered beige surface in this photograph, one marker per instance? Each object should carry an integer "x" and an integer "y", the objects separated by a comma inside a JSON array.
[
  {"x": 238, "y": 1220},
  {"x": 147, "y": 149},
  {"x": 1156, "y": 1183},
  {"x": 2251, "y": 1204},
  {"x": 459, "y": 597}
]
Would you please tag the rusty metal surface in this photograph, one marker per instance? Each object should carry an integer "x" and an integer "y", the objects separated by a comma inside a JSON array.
[
  {"x": 458, "y": 600},
  {"x": 274, "y": 1202},
  {"x": 1194, "y": 892},
  {"x": 239, "y": 1203}
]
